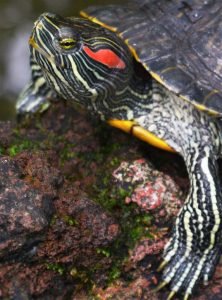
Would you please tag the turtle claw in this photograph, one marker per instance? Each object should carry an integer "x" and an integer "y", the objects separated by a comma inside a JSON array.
[
  {"x": 160, "y": 286},
  {"x": 186, "y": 296},
  {"x": 183, "y": 272},
  {"x": 171, "y": 295},
  {"x": 162, "y": 266}
]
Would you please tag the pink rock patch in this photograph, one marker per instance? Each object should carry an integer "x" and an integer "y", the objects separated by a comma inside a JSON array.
[
  {"x": 148, "y": 196},
  {"x": 152, "y": 189}
]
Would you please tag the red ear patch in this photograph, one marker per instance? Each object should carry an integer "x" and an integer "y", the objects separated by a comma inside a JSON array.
[{"x": 106, "y": 57}]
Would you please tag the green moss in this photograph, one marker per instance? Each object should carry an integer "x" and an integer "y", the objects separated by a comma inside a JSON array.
[
  {"x": 77, "y": 274},
  {"x": 2, "y": 151},
  {"x": 70, "y": 220},
  {"x": 123, "y": 193},
  {"x": 67, "y": 219},
  {"x": 67, "y": 152},
  {"x": 114, "y": 273},
  {"x": 115, "y": 161},
  {"x": 53, "y": 220},
  {"x": 103, "y": 251},
  {"x": 59, "y": 268},
  {"x": 82, "y": 277},
  {"x": 20, "y": 146},
  {"x": 134, "y": 224}
]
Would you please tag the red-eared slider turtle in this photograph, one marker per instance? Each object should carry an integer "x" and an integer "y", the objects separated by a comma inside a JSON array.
[{"x": 152, "y": 68}]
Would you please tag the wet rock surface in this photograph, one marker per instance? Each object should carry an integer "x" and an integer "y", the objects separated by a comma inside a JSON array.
[{"x": 85, "y": 210}]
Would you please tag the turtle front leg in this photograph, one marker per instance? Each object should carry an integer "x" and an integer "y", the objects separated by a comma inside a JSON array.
[
  {"x": 36, "y": 95},
  {"x": 194, "y": 249}
]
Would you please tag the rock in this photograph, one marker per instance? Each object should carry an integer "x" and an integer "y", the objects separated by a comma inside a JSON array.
[
  {"x": 6, "y": 132},
  {"x": 24, "y": 212},
  {"x": 85, "y": 210},
  {"x": 152, "y": 189},
  {"x": 51, "y": 231}
]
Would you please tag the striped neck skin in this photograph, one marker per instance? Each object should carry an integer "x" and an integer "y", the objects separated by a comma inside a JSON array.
[{"x": 91, "y": 65}]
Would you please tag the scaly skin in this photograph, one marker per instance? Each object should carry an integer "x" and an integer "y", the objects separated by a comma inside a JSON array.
[
  {"x": 85, "y": 63},
  {"x": 195, "y": 246}
]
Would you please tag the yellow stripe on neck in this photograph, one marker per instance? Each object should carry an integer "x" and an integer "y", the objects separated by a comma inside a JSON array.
[{"x": 135, "y": 129}]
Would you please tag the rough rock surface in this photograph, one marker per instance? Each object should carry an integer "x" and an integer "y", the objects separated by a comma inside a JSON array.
[{"x": 85, "y": 210}]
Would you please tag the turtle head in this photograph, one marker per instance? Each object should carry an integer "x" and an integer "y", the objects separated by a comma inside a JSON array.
[{"x": 80, "y": 60}]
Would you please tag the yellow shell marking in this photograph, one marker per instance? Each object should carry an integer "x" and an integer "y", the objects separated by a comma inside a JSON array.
[{"x": 95, "y": 20}]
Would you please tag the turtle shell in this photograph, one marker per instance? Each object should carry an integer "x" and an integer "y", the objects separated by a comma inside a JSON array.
[{"x": 178, "y": 42}]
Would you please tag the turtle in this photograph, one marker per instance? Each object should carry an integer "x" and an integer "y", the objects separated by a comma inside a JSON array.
[{"x": 152, "y": 69}]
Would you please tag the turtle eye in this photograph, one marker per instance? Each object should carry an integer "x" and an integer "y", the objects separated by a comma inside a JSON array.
[{"x": 67, "y": 43}]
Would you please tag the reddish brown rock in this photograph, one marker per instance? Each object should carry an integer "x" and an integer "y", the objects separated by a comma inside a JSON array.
[
  {"x": 85, "y": 210},
  {"x": 25, "y": 212}
]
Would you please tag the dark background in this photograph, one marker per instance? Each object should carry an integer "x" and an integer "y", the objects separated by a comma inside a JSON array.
[{"x": 16, "y": 21}]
